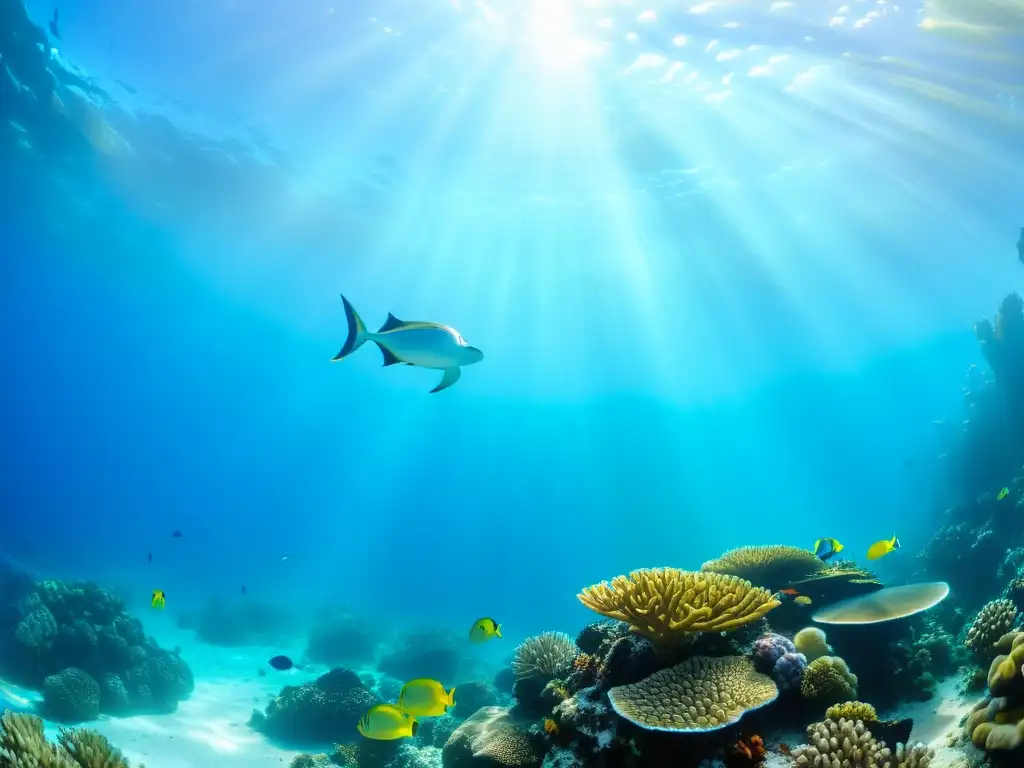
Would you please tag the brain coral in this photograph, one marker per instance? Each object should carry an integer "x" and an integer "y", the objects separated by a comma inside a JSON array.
[
  {"x": 773, "y": 567},
  {"x": 828, "y": 679},
  {"x": 492, "y": 737},
  {"x": 992, "y": 622},
  {"x": 768, "y": 649},
  {"x": 71, "y": 696},
  {"x": 811, "y": 643},
  {"x": 789, "y": 671},
  {"x": 848, "y": 744},
  {"x": 664, "y": 604},
  {"x": 700, "y": 694},
  {"x": 546, "y": 655}
]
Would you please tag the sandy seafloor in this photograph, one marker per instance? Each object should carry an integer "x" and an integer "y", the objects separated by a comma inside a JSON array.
[{"x": 210, "y": 727}]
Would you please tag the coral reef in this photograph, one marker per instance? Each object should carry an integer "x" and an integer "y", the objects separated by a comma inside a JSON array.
[
  {"x": 320, "y": 712},
  {"x": 811, "y": 642},
  {"x": 24, "y": 745},
  {"x": 548, "y": 655},
  {"x": 490, "y": 737},
  {"x": 837, "y": 582},
  {"x": 239, "y": 622},
  {"x": 667, "y": 604},
  {"x": 700, "y": 694},
  {"x": 74, "y": 639},
  {"x": 849, "y": 744},
  {"x": 851, "y": 710},
  {"x": 789, "y": 671},
  {"x": 996, "y": 724},
  {"x": 828, "y": 679},
  {"x": 338, "y": 639},
  {"x": 473, "y": 695},
  {"x": 768, "y": 649},
  {"x": 423, "y": 654},
  {"x": 991, "y": 623},
  {"x": 772, "y": 567}
]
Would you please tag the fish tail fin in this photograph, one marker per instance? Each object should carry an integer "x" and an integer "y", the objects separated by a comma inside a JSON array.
[
  {"x": 451, "y": 698},
  {"x": 356, "y": 331},
  {"x": 895, "y": 541},
  {"x": 497, "y": 630}
]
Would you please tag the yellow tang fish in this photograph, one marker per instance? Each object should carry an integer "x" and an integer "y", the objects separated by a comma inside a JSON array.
[
  {"x": 425, "y": 698},
  {"x": 1003, "y": 494},
  {"x": 483, "y": 630},
  {"x": 386, "y": 722},
  {"x": 802, "y": 600},
  {"x": 158, "y": 601},
  {"x": 883, "y": 548}
]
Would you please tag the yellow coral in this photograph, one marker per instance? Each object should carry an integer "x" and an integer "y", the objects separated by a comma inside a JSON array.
[
  {"x": 24, "y": 745},
  {"x": 664, "y": 604},
  {"x": 811, "y": 642},
  {"x": 1006, "y": 667},
  {"x": 992, "y": 727},
  {"x": 700, "y": 694},
  {"x": 828, "y": 679},
  {"x": 851, "y": 710},
  {"x": 550, "y": 727},
  {"x": 773, "y": 567}
]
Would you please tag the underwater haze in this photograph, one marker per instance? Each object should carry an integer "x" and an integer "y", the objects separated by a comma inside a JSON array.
[{"x": 723, "y": 260}]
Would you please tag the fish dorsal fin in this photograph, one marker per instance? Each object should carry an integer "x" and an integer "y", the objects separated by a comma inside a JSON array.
[{"x": 391, "y": 324}]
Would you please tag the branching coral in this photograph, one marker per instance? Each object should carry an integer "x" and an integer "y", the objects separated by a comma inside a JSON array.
[
  {"x": 772, "y": 567},
  {"x": 549, "y": 655},
  {"x": 992, "y": 622},
  {"x": 700, "y": 694},
  {"x": 23, "y": 745},
  {"x": 666, "y": 604},
  {"x": 849, "y": 744},
  {"x": 828, "y": 679}
]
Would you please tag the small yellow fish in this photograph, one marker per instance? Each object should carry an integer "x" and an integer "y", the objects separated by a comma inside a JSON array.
[
  {"x": 423, "y": 697},
  {"x": 883, "y": 548},
  {"x": 483, "y": 630},
  {"x": 386, "y": 722},
  {"x": 158, "y": 601},
  {"x": 1003, "y": 494},
  {"x": 802, "y": 600}
]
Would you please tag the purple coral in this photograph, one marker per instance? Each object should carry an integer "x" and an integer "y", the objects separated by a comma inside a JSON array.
[
  {"x": 789, "y": 671},
  {"x": 768, "y": 649}
]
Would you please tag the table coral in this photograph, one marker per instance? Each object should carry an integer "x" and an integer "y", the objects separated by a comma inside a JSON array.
[
  {"x": 698, "y": 695},
  {"x": 849, "y": 744},
  {"x": 773, "y": 567},
  {"x": 667, "y": 604},
  {"x": 828, "y": 679}
]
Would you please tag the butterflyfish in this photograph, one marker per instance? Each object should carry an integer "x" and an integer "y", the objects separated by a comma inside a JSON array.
[
  {"x": 484, "y": 629},
  {"x": 827, "y": 548},
  {"x": 883, "y": 548},
  {"x": 158, "y": 601},
  {"x": 386, "y": 722},
  {"x": 412, "y": 342},
  {"x": 425, "y": 698},
  {"x": 1002, "y": 494}
]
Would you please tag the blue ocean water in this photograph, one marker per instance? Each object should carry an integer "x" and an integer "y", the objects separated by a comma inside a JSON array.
[{"x": 723, "y": 262}]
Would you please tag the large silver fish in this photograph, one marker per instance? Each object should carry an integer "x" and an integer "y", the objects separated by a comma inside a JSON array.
[{"x": 427, "y": 345}]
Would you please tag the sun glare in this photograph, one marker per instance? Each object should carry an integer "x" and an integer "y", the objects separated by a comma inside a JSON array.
[{"x": 553, "y": 39}]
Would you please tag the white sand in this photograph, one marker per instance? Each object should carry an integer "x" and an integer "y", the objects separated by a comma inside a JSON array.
[{"x": 939, "y": 717}]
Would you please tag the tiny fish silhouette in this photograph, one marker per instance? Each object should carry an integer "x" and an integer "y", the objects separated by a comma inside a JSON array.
[
  {"x": 243, "y": 589},
  {"x": 150, "y": 558},
  {"x": 281, "y": 663},
  {"x": 54, "y": 29},
  {"x": 176, "y": 535}
]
